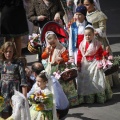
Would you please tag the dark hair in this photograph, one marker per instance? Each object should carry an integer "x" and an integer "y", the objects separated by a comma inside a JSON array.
[
  {"x": 43, "y": 76},
  {"x": 91, "y": 1},
  {"x": 90, "y": 28},
  {"x": 37, "y": 67}
]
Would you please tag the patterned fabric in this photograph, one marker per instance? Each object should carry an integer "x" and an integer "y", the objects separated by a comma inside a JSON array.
[
  {"x": 99, "y": 97},
  {"x": 70, "y": 91},
  {"x": 12, "y": 77},
  {"x": 38, "y": 7}
]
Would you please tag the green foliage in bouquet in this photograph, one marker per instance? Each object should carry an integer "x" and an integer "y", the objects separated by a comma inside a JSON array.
[{"x": 116, "y": 60}]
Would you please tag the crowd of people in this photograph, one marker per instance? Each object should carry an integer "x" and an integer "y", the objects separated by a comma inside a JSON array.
[{"x": 39, "y": 92}]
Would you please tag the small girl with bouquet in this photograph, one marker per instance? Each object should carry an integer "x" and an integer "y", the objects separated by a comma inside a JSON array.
[
  {"x": 43, "y": 107},
  {"x": 92, "y": 85}
]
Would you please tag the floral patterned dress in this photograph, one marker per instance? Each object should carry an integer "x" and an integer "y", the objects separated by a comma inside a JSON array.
[{"x": 12, "y": 78}]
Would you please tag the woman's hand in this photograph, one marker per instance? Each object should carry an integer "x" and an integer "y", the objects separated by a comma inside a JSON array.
[
  {"x": 58, "y": 59},
  {"x": 49, "y": 50},
  {"x": 41, "y": 18},
  {"x": 57, "y": 17}
]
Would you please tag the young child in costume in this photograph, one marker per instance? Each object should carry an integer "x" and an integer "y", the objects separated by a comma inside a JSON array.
[
  {"x": 76, "y": 33},
  {"x": 91, "y": 79},
  {"x": 43, "y": 107},
  {"x": 55, "y": 53},
  {"x": 12, "y": 76}
]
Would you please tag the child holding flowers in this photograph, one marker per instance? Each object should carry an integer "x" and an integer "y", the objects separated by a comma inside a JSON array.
[
  {"x": 43, "y": 107},
  {"x": 91, "y": 78}
]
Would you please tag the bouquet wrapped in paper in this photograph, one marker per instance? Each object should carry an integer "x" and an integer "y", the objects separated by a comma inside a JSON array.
[{"x": 40, "y": 100}]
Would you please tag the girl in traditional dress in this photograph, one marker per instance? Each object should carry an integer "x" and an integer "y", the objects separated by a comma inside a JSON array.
[
  {"x": 43, "y": 107},
  {"x": 12, "y": 75},
  {"x": 91, "y": 80},
  {"x": 55, "y": 52}
]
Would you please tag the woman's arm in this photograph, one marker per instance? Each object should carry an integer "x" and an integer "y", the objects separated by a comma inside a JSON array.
[{"x": 23, "y": 79}]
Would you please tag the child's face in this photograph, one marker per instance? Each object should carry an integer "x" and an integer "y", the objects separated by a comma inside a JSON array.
[
  {"x": 52, "y": 43},
  {"x": 8, "y": 53},
  {"x": 89, "y": 35},
  {"x": 40, "y": 82},
  {"x": 79, "y": 17}
]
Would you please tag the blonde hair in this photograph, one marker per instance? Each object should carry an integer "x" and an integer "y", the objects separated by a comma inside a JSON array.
[{"x": 5, "y": 47}]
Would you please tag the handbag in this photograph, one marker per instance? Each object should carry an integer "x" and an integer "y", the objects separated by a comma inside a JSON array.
[{"x": 113, "y": 69}]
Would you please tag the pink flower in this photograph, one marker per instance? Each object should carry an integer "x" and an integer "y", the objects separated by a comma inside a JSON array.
[
  {"x": 56, "y": 75},
  {"x": 104, "y": 63},
  {"x": 109, "y": 63},
  {"x": 110, "y": 57},
  {"x": 99, "y": 65}
]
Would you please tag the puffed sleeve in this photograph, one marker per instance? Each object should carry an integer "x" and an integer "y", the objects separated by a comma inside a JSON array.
[
  {"x": 65, "y": 56},
  {"x": 44, "y": 55}
]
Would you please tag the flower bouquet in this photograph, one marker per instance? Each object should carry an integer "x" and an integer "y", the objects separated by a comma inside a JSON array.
[
  {"x": 34, "y": 43},
  {"x": 109, "y": 64},
  {"x": 1, "y": 103},
  {"x": 69, "y": 73},
  {"x": 39, "y": 100}
]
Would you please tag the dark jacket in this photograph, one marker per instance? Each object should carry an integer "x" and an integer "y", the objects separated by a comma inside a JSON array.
[{"x": 38, "y": 7}]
